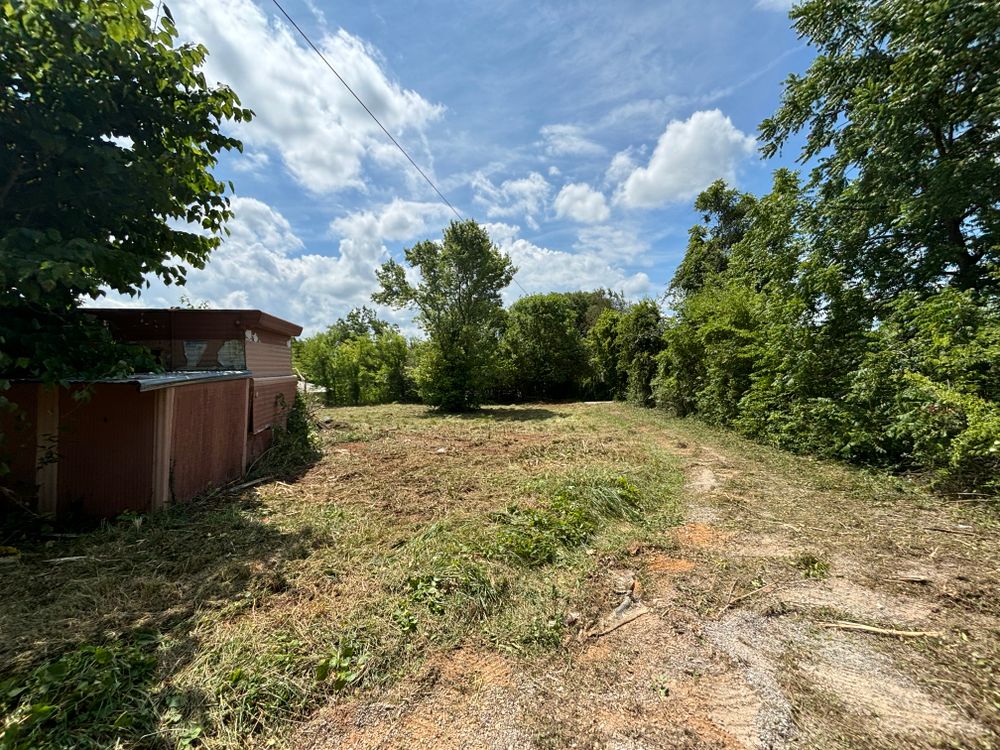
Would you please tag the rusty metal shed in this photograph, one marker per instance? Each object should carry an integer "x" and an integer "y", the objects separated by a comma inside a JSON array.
[{"x": 142, "y": 442}]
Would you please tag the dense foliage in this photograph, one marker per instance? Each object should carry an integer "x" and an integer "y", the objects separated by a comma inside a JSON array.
[
  {"x": 457, "y": 301},
  {"x": 358, "y": 360},
  {"x": 110, "y": 135},
  {"x": 856, "y": 315}
]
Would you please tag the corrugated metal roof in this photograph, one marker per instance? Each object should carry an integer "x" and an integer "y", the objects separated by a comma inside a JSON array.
[{"x": 151, "y": 381}]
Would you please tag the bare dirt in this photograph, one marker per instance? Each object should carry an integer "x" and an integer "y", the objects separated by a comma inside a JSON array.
[{"x": 733, "y": 654}]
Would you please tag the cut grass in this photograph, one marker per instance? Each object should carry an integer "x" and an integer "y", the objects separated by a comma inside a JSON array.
[{"x": 262, "y": 606}]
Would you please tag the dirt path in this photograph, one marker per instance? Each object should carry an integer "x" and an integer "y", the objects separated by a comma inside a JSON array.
[{"x": 732, "y": 647}]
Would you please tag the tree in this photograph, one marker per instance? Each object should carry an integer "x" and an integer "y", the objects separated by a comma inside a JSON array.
[
  {"x": 590, "y": 304},
  {"x": 544, "y": 348},
  {"x": 639, "y": 340},
  {"x": 357, "y": 360},
  {"x": 457, "y": 301},
  {"x": 902, "y": 117},
  {"x": 602, "y": 343},
  {"x": 725, "y": 220},
  {"x": 110, "y": 136}
]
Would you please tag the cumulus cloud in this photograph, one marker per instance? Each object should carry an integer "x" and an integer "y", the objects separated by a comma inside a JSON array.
[
  {"x": 622, "y": 165},
  {"x": 689, "y": 156},
  {"x": 252, "y": 162},
  {"x": 264, "y": 264},
  {"x": 541, "y": 269},
  {"x": 568, "y": 140},
  {"x": 580, "y": 202},
  {"x": 302, "y": 112},
  {"x": 521, "y": 198}
]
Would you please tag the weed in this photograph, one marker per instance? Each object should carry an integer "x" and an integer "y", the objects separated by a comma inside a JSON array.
[
  {"x": 345, "y": 665},
  {"x": 91, "y": 697},
  {"x": 534, "y": 536},
  {"x": 812, "y": 566},
  {"x": 295, "y": 445},
  {"x": 428, "y": 590},
  {"x": 404, "y": 620}
]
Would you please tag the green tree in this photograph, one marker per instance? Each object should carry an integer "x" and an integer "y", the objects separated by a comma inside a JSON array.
[
  {"x": 602, "y": 345},
  {"x": 639, "y": 340},
  {"x": 543, "y": 347},
  {"x": 357, "y": 360},
  {"x": 457, "y": 300},
  {"x": 901, "y": 109},
  {"x": 110, "y": 133},
  {"x": 588, "y": 306},
  {"x": 725, "y": 220}
]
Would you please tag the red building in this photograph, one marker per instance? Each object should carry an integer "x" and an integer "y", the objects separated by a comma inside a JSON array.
[{"x": 143, "y": 442}]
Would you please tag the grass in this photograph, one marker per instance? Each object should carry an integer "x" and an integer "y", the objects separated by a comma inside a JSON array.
[{"x": 235, "y": 616}]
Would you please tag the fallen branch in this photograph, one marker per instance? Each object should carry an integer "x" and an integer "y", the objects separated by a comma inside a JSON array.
[
  {"x": 729, "y": 599},
  {"x": 844, "y": 625},
  {"x": 625, "y": 619},
  {"x": 950, "y": 531},
  {"x": 913, "y": 579},
  {"x": 747, "y": 595}
]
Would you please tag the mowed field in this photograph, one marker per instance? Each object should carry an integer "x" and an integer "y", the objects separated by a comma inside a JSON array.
[{"x": 545, "y": 576}]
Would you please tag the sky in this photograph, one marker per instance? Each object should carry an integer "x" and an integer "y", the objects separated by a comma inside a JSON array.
[{"x": 577, "y": 133}]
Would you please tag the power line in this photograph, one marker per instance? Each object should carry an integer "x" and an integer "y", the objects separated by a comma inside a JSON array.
[{"x": 372, "y": 114}]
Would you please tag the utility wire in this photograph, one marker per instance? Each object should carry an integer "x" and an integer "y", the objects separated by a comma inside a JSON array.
[
  {"x": 372, "y": 115},
  {"x": 377, "y": 122}
]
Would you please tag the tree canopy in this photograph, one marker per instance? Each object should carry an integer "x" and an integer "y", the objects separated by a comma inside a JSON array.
[
  {"x": 457, "y": 300},
  {"x": 901, "y": 111},
  {"x": 110, "y": 136}
]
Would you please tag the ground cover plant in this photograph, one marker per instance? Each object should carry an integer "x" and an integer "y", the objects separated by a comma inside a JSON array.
[
  {"x": 237, "y": 615},
  {"x": 456, "y": 565}
]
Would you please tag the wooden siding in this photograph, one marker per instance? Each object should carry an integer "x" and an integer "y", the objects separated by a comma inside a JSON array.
[
  {"x": 106, "y": 450},
  {"x": 268, "y": 360},
  {"x": 208, "y": 440},
  {"x": 272, "y": 397}
]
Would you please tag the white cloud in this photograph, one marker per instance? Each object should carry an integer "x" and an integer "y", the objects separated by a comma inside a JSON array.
[
  {"x": 568, "y": 140},
  {"x": 622, "y": 165},
  {"x": 253, "y": 162},
  {"x": 302, "y": 111},
  {"x": 689, "y": 156},
  {"x": 521, "y": 198},
  {"x": 554, "y": 171},
  {"x": 778, "y": 5},
  {"x": 613, "y": 244},
  {"x": 580, "y": 202},
  {"x": 543, "y": 270},
  {"x": 264, "y": 264}
]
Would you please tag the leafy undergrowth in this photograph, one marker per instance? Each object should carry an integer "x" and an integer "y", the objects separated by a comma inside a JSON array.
[{"x": 221, "y": 623}]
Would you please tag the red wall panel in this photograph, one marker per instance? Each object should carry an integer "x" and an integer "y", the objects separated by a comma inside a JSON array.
[
  {"x": 105, "y": 450},
  {"x": 209, "y": 436},
  {"x": 272, "y": 398}
]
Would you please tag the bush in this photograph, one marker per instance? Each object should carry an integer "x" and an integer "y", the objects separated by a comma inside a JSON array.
[{"x": 295, "y": 446}]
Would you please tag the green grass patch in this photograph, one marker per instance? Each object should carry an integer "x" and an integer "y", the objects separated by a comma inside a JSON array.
[{"x": 268, "y": 604}]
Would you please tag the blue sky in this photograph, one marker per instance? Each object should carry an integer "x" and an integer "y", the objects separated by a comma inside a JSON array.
[{"x": 577, "y": 132}]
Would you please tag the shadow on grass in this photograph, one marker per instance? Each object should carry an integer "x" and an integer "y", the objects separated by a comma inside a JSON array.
[
  {"x": 123, "y": 604},
  {"x": 501, "y": 413}
]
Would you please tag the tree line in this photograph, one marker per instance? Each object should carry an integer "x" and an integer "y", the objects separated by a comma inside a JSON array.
[{"x": 851, "y": 312}]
